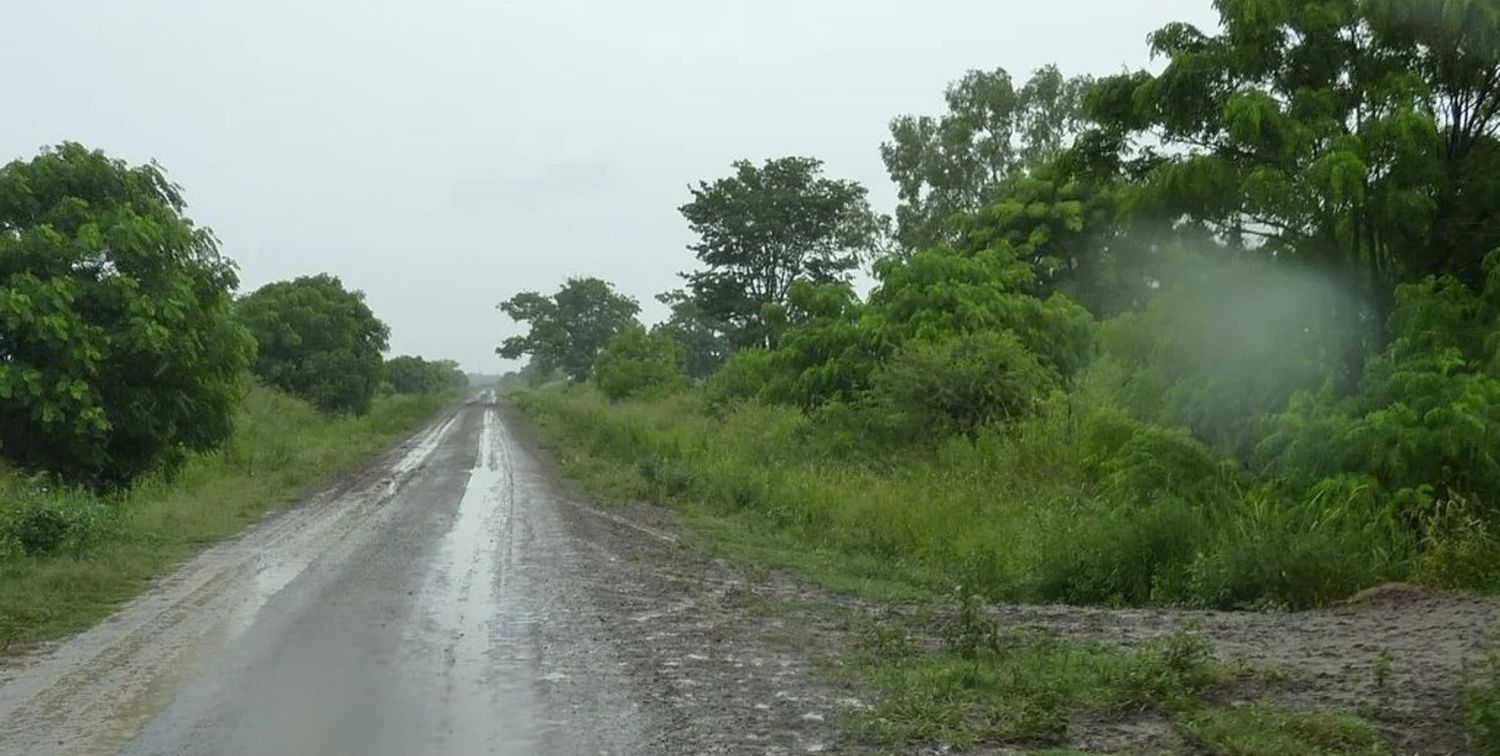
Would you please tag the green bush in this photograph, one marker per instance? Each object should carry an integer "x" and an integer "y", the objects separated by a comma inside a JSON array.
[
  {"x": 961, "y": 384},
  {"x": 414, "y": 375},
  {"x": 742, "y": 377},
  {"x": 118, "y": 352},
  {"x": 318, "y": 341},
  {"x": 639, "y": 364}
]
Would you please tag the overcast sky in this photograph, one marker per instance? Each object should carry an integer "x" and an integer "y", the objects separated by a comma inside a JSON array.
[{"x": 442, "y": 155}]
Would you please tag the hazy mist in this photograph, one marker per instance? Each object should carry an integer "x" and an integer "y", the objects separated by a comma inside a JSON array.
[{"x": 443, "y": 155}]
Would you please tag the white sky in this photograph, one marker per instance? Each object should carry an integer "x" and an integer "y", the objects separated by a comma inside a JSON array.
[{"x": 443, "y": 155}]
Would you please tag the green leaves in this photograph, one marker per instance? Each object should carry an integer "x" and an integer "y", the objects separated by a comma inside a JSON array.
[
  {"x": 992, "y": 131},
  {"x": 764, "y": 228},
  {"x": 568, "y": 330},
  {"x": 639, "y": 364},
  {"x": 117, "y": 347},
  {"x": 1349, "y": 132},
  {"x": 317, "y": 340},
  {"x": 414, "y": 375}
]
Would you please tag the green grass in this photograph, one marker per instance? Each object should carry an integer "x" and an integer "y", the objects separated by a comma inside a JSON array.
[
  {"x": 1482, "y": 710},
  {"x": 1267, "y": 731},
  {"x": 1026, "y": 691},
  {"x": 103, "y": 550},
  {"x": 1037, "y": 514}
]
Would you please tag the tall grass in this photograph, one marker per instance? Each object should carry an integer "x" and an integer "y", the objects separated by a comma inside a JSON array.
[
  {"x": 68, "y": 557},
  {"x": 1064, "y": 507}
]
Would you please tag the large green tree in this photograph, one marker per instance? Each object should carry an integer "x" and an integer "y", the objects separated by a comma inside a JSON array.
[
  {"x": 1356, "y": 134},
  {"x": 950, "y": 164},
  {"x": 568, "y": 330},
  {"x": 764, "y": 228},
  {"x": 118, "y": 350},
  {"x": 318, "y": 341}
]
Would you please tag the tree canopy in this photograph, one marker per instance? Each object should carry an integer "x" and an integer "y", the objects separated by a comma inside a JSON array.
[
  {"x": 765, "y": 227},
  {"x": 947, "y": 165},
  {"x": 1354, "y": 135},
  {"x": 118, "y": 351},
  {"x": 568, "y": 330},
  {"x": 318, "y": 341}
]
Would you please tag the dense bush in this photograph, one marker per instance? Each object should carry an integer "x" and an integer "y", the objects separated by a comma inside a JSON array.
[
  {"x": 959, "y": 385},
  {"x": 118, "y": 352},
  {"x": 414, "y": 375},
  {"x": 638, "y": 363},
  {"x": 318, "y": 341}
]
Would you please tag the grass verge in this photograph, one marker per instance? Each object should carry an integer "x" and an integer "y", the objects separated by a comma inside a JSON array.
[
  {"x": 68, "y": 557},
  {"x": 1018, "y": 519}
]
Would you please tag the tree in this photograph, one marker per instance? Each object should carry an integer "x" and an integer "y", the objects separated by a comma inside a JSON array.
[
  {"x": 1354, "y": 135},
  {"x": 638, "y": 363},
  {"x": 992, "y": 131},
  {"x": 569, "y": 329},
  {"x": 118, "y": 351},
  {"x": 318, "y": 341},
  {"x": 701, "y": 339},
  {"x": 764, "y": 228},
  {"x": 414, "y": 375}
]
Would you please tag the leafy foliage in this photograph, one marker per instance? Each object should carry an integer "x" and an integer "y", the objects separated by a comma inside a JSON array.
[
  {"x": 318, "y": 341},
  {"x": 569, "y": 329},
  {"x": 993, "y": 131},
  {"x": 701, "y": 339},
  {"x": 960, "y": 385},
  {"x": 766, "y": 227},
  {"x": 118, "y": 351},
  {"x": 1353, "y": 134},
  {"x": 414, "y": 375},
  {"x": 640, "y": 363}
]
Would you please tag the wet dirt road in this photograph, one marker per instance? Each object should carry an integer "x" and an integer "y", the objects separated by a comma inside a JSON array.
[{"x": 446, "y": 600}]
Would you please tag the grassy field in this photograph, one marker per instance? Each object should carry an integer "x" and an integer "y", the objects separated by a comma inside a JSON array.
[{"x": 67, "y": 557}]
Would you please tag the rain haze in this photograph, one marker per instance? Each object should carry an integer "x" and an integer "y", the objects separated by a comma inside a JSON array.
[{"x": 442, "y": 156}]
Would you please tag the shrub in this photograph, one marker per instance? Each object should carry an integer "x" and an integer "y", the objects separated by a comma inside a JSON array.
[
  {"x": 958, "y": 385},
  {"x": 414, "y": 375},
  {"x": 639, "y": 364},
  {"x": 318, "y": 341},
  {"x": 742, "y": 377}
]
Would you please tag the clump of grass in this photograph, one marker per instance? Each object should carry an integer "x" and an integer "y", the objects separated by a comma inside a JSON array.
[
  {"x": 1482, "y": 710},
  {"x": 1268, "y": 731},
  {"x": 1025, "y": 690},
  {"x": 68, "y": 557}
]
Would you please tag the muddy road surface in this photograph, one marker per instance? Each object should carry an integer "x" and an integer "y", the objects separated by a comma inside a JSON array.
[{"x": 450, "y": 598}]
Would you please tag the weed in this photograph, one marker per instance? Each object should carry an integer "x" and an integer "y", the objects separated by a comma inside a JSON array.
[
  {"x": 1482, "y": 710},
  {"x": 1382, "y": 674},
  {"x": 1265, "y": 731},
  {"x": 1025, "y": 692}
]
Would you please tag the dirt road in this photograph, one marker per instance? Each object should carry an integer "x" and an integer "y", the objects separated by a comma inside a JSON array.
[{"x": 448, "y": 599}]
